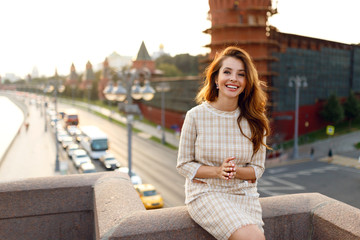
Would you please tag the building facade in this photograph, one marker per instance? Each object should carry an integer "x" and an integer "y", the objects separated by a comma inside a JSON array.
[{"x": 329, "y": 67}]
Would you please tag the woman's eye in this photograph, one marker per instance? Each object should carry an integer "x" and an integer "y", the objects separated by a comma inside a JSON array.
[
  {"x": 226, "y": 72},
  {"x": 241, "y": 74}
]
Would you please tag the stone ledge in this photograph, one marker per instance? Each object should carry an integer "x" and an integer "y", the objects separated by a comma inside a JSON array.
[
  {"x": 106, "y": 206},
  {"x": 296, "y": 216}
]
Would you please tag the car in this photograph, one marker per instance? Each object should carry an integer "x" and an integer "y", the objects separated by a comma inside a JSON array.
[
  {"x": 79, "y": 136},
  {"x": 73, "y": 130},
  {"x": 135, "y": 179},
  {"x": 66, "y": 141},
  {"x": 71, "y": 148},
  {"x": 79, "y": 157},
  {"x": 87, "y": 168},
  {"x": 61, "y": 134},
  {"x": 109, "y": 161},
  {"x": 149, "y": 196}
]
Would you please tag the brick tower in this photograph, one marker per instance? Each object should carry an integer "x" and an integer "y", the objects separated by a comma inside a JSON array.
[
  {"x": 143, "y": 60},
  {"x": 243, "y": 23},
  {"x": 104, "y": 78}
]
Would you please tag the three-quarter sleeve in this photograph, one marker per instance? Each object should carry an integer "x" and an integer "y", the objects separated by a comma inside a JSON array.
[
  {"x": 186, "y": 163},
  {"x": 258, "y": 161}
]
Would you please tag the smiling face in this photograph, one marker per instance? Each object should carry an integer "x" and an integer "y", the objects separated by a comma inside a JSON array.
[{"x": 231, "y": 79}]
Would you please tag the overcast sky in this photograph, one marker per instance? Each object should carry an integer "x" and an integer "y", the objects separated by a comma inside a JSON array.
[{"x": 52, "y": 34}]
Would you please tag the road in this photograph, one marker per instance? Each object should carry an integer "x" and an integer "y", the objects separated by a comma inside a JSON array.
[
  {"x": 335, "y": 181},
  {"x": 155, "y": 163}
]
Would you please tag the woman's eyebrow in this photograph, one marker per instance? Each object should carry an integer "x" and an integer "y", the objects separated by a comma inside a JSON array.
[{"x": 229, "y": 68}]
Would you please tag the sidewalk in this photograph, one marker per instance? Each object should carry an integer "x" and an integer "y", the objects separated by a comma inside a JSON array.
[
  {"x": 342, "y": 147},
  {"x": 32, "y": 153},
  {"x": 343, "y": 161}
]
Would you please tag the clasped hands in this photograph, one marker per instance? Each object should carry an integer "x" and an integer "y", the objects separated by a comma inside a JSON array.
[{"x": 227, "y": 170}]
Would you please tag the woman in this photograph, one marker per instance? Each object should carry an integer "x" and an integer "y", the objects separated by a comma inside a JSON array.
[{"x": 222, "y": 149}]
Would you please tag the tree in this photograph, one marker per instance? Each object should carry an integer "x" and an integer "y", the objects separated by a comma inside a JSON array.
[
  {"x": 170, "y": 70},
  {"x": 333, "y": 111},
  {"x": 352, "y": 108},
  {"x": 185, "y": 63}
]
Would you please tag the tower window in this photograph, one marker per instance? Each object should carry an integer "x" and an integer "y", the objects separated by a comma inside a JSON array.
[{"x": 251, "y": 20}]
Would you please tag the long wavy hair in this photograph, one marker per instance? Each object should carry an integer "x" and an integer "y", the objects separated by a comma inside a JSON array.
[{"x": 252, "y": 101}]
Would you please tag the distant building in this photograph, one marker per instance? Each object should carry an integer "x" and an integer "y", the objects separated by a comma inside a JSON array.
[
  {"x": 88, "y": 77},
  {"x": 118, "y": 62},
  {"x": 35, "y": 72},
  {"x": 144, "y": 61},
  {"x": 159, "y": 53},
  {"x": 11, "y": 77},
  {"x": 106, "y": 76}
]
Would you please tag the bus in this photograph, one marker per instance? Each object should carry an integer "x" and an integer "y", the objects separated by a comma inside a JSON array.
[
  {"x": 71, "y": 117},
  {"x": 94, "y": 141}
]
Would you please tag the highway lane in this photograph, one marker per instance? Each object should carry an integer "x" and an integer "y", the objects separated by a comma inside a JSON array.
[{"x": 154, "y": 162}]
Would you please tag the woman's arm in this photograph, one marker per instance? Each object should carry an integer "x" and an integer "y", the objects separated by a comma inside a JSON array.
[
  {"x": 225, "y": 171},
  {"x": 186, "y": 164}
]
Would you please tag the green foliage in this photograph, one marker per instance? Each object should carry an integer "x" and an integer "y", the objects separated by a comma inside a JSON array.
[
  {"x": 187, "y": 64},
  {"x": 169, "y": 70},
  {"x": 333, "y": 112},
  {"x": 352, "y": 107}
]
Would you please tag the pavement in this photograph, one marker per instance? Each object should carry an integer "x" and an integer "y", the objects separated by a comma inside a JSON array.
[
  {"x": 39, "y": 147},
  {"x": 32, "y": 153}
]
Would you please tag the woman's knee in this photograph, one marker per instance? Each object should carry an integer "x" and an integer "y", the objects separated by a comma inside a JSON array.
[{"x": 249, "y": 232}]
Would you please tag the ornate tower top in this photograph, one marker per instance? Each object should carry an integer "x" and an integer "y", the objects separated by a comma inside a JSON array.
[{"x": 143, "y": 53}]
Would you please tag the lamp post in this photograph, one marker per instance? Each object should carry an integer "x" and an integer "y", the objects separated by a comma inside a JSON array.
[
  {"x": 298, "y": 82},
  {"x": 163, "y": 88},
  {"x": 130, "y": 92},
  {"x": 56, "y": 88},
  {"x": 110, "y": 97}
]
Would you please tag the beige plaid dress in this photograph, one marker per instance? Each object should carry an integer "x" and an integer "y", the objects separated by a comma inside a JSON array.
[{"x": 209, "y": 136}]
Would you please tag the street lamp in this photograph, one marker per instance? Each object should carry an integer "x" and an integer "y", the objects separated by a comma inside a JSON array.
[
  {"x": 56, "y": 88},
  {"x": 133, "y": 90},
  {"x": 298, "y": 82},
  {"x": 163, "y": 88}
]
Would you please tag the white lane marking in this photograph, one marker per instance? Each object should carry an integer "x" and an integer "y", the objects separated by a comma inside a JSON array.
[{"x": 274, "y": 185}]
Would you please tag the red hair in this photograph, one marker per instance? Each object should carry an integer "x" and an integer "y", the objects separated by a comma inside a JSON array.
[{"x": 252, "y": 100}]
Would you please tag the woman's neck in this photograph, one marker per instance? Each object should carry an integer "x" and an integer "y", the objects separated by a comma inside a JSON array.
[{"x": 225, "y": 104}]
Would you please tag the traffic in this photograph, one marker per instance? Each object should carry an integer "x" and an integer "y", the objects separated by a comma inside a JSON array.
[{"x": 86, "y": 149}]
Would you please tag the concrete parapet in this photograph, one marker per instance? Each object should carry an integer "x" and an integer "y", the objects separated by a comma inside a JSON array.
[{"x": 106, "y": 206}]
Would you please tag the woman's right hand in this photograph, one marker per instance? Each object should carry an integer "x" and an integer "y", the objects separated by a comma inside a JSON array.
[{"x": 227, "y": 170}]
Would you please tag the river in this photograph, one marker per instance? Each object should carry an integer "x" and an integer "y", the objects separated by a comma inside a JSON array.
[{"x": 11, "y": 119}]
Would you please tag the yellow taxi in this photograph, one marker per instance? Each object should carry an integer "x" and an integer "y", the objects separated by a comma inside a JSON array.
[{"x": 148, "y": 195}]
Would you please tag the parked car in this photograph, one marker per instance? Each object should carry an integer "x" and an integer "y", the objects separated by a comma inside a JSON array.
[
  {"x": 109, "y": 161},
  {"x": 149, "y": 196},
  {"x": 71, "y": 148},
  {"x": 87, "y": 168},
  {"x": 135, "y": 179},
  {"x": 79, "y": 157}
]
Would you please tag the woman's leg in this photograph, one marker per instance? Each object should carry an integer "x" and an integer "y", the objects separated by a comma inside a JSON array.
[{"x": 249, "y": 232}]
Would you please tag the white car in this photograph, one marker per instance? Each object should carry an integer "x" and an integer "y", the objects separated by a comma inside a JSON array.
[
  {"x": 79, "y": 157},
  {"x": 87, "y": 168},
  {"x": 135, "y": 179},
  {"x": 109, "y": 161},
  {"x": 73, "y": 130},
  {"x": 71, "y": 148}
]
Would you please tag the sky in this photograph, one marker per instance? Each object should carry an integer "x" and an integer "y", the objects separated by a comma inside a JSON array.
[{"x": 49, "y": 34}]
